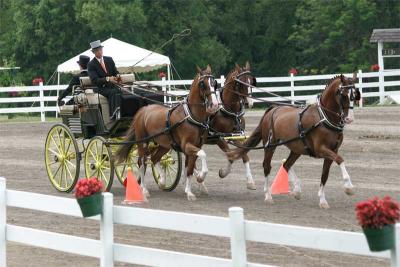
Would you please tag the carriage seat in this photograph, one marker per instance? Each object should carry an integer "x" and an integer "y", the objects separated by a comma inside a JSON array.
[{"x": 95, "y": 98}]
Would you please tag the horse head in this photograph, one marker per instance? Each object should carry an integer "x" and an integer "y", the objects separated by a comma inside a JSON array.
[
  {"x": 344, "y": 95},
  {"x": 205, "y": 84},
  {"x": 243, "y": 81}
]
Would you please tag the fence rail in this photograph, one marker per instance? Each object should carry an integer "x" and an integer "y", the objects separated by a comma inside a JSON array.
[
  {"x": 294, "y": 89},
  {"x": 235, "y": 227}
]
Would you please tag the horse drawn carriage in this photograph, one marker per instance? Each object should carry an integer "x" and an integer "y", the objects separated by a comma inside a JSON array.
[{"x": 87, "y": 134}]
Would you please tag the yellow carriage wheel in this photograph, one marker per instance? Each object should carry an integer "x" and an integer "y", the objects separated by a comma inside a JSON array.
[
  {"x": 62, "y": 158},
  {"x": 171, "y": 165},
  {"x": 99, "y": 161},
  {"x": 122, "y": 167}
]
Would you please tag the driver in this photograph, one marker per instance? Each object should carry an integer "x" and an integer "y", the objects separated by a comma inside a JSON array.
[
  {"x": 104, "y": 75},
  {"x": 82, "y": 62}
]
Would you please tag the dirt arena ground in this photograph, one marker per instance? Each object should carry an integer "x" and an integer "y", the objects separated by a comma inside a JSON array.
[{"x": 370, "y": 149}]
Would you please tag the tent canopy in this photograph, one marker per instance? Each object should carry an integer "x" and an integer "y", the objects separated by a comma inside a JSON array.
[{"x": 125, "y": 57}]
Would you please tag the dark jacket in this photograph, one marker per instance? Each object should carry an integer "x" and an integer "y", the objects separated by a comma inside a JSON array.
[
  {"x": 98, "y": 75},
  {"x": 74, "y": 81}
]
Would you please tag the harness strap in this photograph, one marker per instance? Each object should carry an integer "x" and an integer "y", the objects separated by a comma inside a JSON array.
[
  {"x": 302, "y": 134},
  {"x": 190, "y": 118},
  {"x": 174, "y": 144}
]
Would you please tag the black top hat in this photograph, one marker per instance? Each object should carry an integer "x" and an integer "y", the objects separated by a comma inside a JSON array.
[{"x": 83, "y": 60}]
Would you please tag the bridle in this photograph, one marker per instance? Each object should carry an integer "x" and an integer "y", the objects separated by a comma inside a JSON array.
[
  {"x": 211, "y": 81},
  {"x": 342, "y": 107}
]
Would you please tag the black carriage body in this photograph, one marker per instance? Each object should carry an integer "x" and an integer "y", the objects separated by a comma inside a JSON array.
[{"x": 86, "y": 121}]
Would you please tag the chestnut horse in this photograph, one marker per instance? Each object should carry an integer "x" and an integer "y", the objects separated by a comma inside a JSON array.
[
  {"x": 187, "y": 124},
  {"x": 316, "y": 130},
  {"x": 229, "y": 118}
]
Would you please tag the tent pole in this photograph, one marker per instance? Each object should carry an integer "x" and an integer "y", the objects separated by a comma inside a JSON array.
[
  {"x": 169, "y": 79},
  {"x": 58, "y": 83}
]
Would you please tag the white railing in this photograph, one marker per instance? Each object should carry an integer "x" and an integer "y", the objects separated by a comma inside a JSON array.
[
  {"x": 294, "y": 90},
  {"x": 235, "y": 227}
]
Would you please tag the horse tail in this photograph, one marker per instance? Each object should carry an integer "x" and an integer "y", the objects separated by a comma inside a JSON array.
[
  {"x": 250, "y": 142},
  {"x": 123, "y": 151}
]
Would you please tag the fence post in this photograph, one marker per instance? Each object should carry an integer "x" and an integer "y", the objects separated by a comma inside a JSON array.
[
  {"x": 360, "y": 87},
  {"x": 381, "y": 75},
  {"x": 41, "y": 99},
  {"x": 164, "y": 89},
  {"x": 292, "y": 87},
  {"x": 107, "y": 232},
  {"x": 3, "y": 222},
  {"x": 395, "y": 252},
  {"x": 238, "y": 238}
]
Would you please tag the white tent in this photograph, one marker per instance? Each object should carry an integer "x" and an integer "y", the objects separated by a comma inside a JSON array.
[{"x": 128, "y": 58}]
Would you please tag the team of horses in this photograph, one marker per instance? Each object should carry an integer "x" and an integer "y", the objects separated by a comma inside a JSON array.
[{"x": 315, "y": 130}]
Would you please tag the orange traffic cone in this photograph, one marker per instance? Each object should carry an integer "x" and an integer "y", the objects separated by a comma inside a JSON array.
[
  {"x": 281, "y": 182},
  {"x": 134, "y": 193}
]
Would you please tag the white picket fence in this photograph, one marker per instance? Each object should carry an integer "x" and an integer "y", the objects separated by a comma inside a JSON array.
[
  {"x": 235, "y": 227},
  {"x": 293, "y": 88}
]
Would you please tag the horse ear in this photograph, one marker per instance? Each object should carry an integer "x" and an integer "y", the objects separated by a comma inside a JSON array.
[
  {"x": 198, "y": 69},
  {"x": 247, "y": 65},
  {"x": 237, "y": 66},
  {"x": 208, "y": 68},
  {"x": 354, "y": 76}
]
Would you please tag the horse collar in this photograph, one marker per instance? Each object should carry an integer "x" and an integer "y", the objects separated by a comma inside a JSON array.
[
  {"x": 325, "y": 120},
  {"x": 190, "y": 117}
]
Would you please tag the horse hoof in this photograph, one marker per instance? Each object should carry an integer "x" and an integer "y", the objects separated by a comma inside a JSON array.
[
  {"x": 222, "y": 173},
  {"x": 251, "y": 186},
  {"x": 324, "y": 206},
  {"x": 199, "y": 179},
  {"x": 191, "y": 197},
  {"x": 349, "y": 191},
  {"x": 146, "y": 193},
  {"x": 268, "y": 200},
  {"x": 296, "y": 195}
]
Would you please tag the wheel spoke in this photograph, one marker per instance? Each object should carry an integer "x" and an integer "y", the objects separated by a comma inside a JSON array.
[
  {"x": 54, "y": 175},
  {"x": 52, "y": 151},
  {"x": 69, "y": 144},
  {"x": 94, "y": 157},
  {"x": 62, "y": 174},
  {"x": 70, "y": 174},
  {"x": 55, "y": 143},
  {"x": 73, "y": 165},
  {"x": 103, "y": 175},
  {"x": 59, "y": 139}
]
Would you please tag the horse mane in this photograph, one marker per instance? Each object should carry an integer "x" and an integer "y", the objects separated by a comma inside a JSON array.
[
  {"x": 230, "y": 73},
  {"x": 331, "y": 81}
]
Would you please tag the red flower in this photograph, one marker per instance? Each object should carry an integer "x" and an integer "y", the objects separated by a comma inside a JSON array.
[
  {"x": 37, "y": 80},
  {"x": 88, "y": 187},
  {"x": 161, "y": 74},
  {"x": 376, "y": 213},
  {"x": 375, "y": 67},
  {"x": 293, "y": 71}
]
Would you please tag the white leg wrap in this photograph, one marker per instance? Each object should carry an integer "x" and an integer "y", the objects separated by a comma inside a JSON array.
[
  {"x": 250, "y": 182},
  {"x": 161, "y": 173},
  {"x": 142, "y": 177},
  {"x": 204, "y": 170},
  {"x": 323, "y": 204},
  {"x": 188, "y": 189},
  {"x": 268, "y": 196},
  {"x": 295, "y": 180},
  {"x": 346, "y": 176}
]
